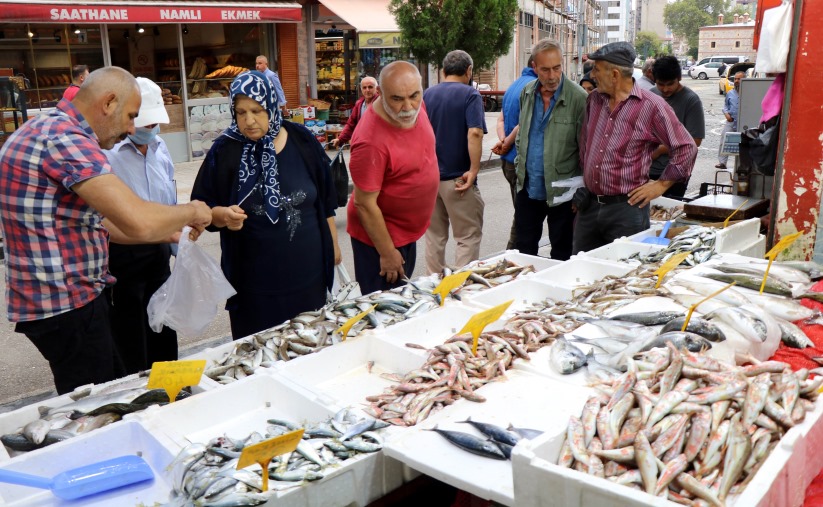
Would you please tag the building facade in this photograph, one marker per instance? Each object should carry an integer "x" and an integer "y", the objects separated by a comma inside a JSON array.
[
  {"x": 616, "y": 20},
  {"x": 732, "y": 39}
]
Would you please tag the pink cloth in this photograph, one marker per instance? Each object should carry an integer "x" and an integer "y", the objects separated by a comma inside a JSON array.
[{"x": 773, "y": 101}]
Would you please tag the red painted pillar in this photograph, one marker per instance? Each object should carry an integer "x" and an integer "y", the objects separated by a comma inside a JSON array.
[{"x": 796, "y": 198}]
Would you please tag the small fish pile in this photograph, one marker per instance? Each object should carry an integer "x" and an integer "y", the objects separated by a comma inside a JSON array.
[
  {"x": 498, "y": 443},
  {"x": 207, "y": 475},
  {"x": 485, "y": 275},
  {"x": 87, "y": 413},
  {"x": 662, "y": 213},
  {"x": 697, "y": 240},
  {"x": 450, "y": 372},
  {"x": 685, "y": 426},
  {"x": 612, "y": 292}
]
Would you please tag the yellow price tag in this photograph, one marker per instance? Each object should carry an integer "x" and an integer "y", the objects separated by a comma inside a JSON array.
[
  {"x": 726, "y": 222},
  {"x": 449, "y": 283},
  {"x": 345, "y": 328},
  {"x": 775, "y": 251},
  {"x": 669, "y": 265},
  {"x": 263, "y": 452},
  {"x": 175, "y": 375},
  {"x": 694, "y": 306},
  {"x": 478, "y": 322}
]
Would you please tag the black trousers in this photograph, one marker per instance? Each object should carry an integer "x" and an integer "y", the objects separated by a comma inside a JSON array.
[
  {"x": 367, "y": 266},
  {"x": 78, "y": 345},
  {"x": 528, "y": 219},
  {"x": 140, "y": 270},
  {"x": 600, "y": 224}
]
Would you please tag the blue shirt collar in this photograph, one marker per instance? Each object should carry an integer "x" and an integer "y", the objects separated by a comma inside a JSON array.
[
  {"x": 528, "y": 71},
  {"x": 556, "y": 96}
]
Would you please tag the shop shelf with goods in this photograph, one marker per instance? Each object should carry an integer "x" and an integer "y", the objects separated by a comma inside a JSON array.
[
  {"x": 13, "y": 112},
  {"x": 332, "y": 65}
]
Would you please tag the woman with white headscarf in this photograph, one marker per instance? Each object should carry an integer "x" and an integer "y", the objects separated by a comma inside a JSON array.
[{"x": 269, "y": 185}]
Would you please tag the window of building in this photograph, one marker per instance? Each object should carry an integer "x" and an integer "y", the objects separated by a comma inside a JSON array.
[
  {"x": 737, "y": 44},
  {"x": 614, "y": 16},
  {"x": 712, "y": 44},
  {"x": 528, "y": 19}
]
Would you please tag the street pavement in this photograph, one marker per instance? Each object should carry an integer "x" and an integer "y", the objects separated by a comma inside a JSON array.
[{"x": 25, "y": 376}]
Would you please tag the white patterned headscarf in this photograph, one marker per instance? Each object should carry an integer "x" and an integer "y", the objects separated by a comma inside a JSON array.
[{"x": 258, "y": 164}]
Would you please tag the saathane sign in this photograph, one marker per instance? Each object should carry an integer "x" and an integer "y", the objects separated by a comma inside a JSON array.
[{"x": 45, "y": 13}]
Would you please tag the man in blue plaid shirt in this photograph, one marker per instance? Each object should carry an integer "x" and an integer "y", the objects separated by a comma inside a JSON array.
[{"x": 60, "y": 207}]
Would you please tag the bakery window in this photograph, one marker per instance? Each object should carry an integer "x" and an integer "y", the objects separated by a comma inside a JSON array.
[
  {"x": 216, "y": 54},
  {"x": 43, "y": 56}
]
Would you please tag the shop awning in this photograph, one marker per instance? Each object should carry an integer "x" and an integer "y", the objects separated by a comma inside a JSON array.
[
  {"x": 136, "y": 11},
  {"x": 364, "y": 15}
]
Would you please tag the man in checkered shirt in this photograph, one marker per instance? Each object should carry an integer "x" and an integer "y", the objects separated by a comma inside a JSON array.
[{"x": 60, "y": 205}]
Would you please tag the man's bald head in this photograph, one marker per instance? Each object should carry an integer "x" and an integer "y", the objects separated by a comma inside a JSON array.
[
  {"x": 109, "y": 100},
  {"x": 401, "y": 92}
]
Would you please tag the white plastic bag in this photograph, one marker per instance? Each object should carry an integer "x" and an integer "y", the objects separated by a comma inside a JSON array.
[
  {"x": 189, "y": 299},
  {"x": 775, "y": 39},
  {"x": 343, "y": 287}
]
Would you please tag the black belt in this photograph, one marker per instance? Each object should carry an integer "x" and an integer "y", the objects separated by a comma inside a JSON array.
[{"x": 611, "y": 199}]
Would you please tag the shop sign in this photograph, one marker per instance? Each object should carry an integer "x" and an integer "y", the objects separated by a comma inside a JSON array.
[
  {"x": 379, "y": 40},
  {"x": 144, "y": 14}
]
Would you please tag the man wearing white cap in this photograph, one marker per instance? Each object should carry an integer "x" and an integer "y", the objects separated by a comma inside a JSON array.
[{"x": 143, "y": 162}]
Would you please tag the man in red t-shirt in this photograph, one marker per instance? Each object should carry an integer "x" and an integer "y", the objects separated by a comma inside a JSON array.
[
  {"x": 79, "y": 73},
  {"x": 394, "y": 169}
]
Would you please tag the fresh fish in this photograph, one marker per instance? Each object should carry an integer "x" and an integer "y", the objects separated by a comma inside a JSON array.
[
  {"x": 680, "y": 339},
  {"x": 792, "y": 335},
  {"x": 753, "y": 282},
  {"x": 738, "y": 448},
  {"x": 780, "y": 307},
  {"x": 526, "y": 433},
  {"x": 496, "y": 433},
  {"x": 782, "y": 273},
  {"x": 565, "y": 358},
  {"x": 648, "y": 318},
  {"x": 696, "y": 325},
  {"x": 698, "y": 489},
  {"x": 707, "y": 287},
  {"x": 471, "y": 443},
  {"x": 646, "y": 462},
  {"x": 36, "y": 431}
]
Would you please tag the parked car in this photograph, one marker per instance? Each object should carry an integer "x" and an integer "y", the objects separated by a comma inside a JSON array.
[
  {"x": 707, "y": 67},
  {"x": 727, "y": 79}
]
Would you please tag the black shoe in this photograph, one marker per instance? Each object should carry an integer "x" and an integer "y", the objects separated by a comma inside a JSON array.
[{"x": 720, "y": 166}]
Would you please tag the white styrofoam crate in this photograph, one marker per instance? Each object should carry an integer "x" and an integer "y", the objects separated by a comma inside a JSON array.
[
  {"x": 524, "y": 293},
  {"x": 244, "y": 406},
  {"x": 782, "y": 480},
  {"x": 653, "y": 231},
  {"x": 345, "y": 374},
  {"x": 539, "y": 263},
  {"x": 125, "y": 438},
  {"x": 756, "y": 249},
  {"x": 580, "y": 270},
  {"x": 431, "y": 329},
  {"x": 736, "y": 236},
  {"x": 523, "y": 400},
  {"x": 12, "y": 421},
  {"x": 621, "y": 250}
]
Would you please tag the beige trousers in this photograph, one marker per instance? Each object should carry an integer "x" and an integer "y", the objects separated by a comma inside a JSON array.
[{"x": 466, "y": 216}]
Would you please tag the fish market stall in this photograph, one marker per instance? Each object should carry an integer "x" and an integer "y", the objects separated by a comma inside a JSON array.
[{"x": 586, "y": 373}]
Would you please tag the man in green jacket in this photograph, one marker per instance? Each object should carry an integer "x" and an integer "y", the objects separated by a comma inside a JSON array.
[{"x": 551, "y": 117}]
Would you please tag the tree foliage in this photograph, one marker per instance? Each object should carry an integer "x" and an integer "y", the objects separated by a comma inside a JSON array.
[
  {"x": 647, "y": 44},
  {"x": 432, "y": 28},
  {"x": 685, "y": 17}
]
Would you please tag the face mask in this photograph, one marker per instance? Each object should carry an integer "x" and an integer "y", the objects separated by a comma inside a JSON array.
[{"x": 143, "y": 135}]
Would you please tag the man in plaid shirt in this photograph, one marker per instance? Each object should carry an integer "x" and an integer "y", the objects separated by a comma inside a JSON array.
[{"x": 60, "y": 207}]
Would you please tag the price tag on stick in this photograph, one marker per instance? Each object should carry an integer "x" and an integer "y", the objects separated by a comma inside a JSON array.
[
  {"x": 694, "y": 306},
  {"x": 669, "y": 265},
  {"x": 175, "y": 375},
  {"x": 262, "y": 453},
  {"x": 772, "y": 254},
  {"x": 449, "y": 283},
  {"x": 726, "y": 222},
  {"x": 478, "y": 322},
  {"x": 345, "y": 328}
]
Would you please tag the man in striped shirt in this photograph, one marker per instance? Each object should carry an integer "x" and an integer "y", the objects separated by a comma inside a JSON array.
[{"x": 624, "y": 125}]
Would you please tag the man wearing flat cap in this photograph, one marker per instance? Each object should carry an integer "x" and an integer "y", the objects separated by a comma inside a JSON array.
[{"x": 624, "y": 125}]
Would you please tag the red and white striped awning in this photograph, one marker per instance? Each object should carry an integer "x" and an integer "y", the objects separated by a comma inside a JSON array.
[{"x": 136, "y": 11}]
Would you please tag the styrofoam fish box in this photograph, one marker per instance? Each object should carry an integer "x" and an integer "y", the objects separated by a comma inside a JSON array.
[
  {"x": 621, "y": 250},
  {"x": 345, "y": 374},
  {"x": 244, "y": 406},
  {"x": 651, "y": 232},
  {"x": 782, "y": 480},
  {"x": 580, "y": 270},
  {"x": 524, "y": 292},
  {"x": 431, "y": 329},
  {"x": 736, "y": 236},
  {"x": 523, "y": 400},
  {"x": 756, "y": 249},
  {"x": 126, "y": 438},
  {"x": 539, "y": 263},
  {"x": 10, "y": 422}
]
